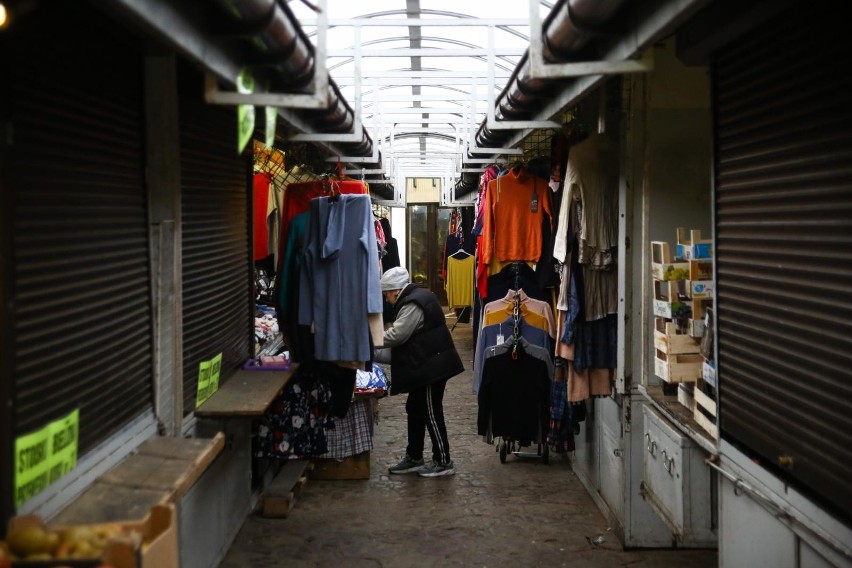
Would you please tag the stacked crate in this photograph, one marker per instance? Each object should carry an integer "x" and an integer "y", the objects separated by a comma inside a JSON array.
[{"x": 683, "y": 289}]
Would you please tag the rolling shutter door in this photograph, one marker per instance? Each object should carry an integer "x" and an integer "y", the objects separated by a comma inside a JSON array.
[
  {"x": 82, "y": 315},
  {"x": 784, "y": 249},
  {"x": 215, "y": 236}
]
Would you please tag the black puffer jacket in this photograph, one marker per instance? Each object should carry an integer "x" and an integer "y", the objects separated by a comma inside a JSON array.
[{"x": 429, "y": 355}]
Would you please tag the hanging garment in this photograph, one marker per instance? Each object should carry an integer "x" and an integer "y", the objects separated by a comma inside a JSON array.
[
  {"x": 460, "y": 280},
  {"x": 560, "y": 436},
  {"x": 514, "y": 398},
  {"x": 516, "y": 205},
  {"x": 499, "y": 284},
  {"x": 352, "y": 434},
  {"x": 297, "y": 200},
  {"x": 280, "y": 183},
  {"x": 499, "y": 333},
  {"x": 593, "y": 172},
  {"x": 339, "y": 279},
  {"x": 295, "y": 424},
  {"x": 262, "y": 203},
  {"x": 391, "y": 259},
  {"x": 536, "y": 312}
]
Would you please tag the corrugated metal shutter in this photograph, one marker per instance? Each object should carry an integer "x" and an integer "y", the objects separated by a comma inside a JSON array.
[
  {"x": 216, "y": 238},
  {"x": 82, "y": 316},
  {"x": 784, "y": 249}
]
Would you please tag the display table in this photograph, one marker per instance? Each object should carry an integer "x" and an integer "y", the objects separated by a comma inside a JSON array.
[{"x": 246, "y": 393}]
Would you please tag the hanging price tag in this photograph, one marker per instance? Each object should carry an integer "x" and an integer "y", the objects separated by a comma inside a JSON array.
[
  {"x": 500, "y": 339},
  {"x": 534, "y": 202}
]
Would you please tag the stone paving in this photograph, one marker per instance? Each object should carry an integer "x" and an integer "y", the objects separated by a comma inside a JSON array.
[{"x": 521, "y": 513}]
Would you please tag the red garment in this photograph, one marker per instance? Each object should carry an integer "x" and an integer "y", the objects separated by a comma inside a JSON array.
[{"x": 261, "y": 207}]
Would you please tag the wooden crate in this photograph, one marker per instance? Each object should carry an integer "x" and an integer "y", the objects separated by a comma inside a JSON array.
[
  {"x": 669, "y": 341},
  {"x": 684, "y": 368},
  {"x": 695, "y": 326},
  {"x": 700, "y": 270},
  {"x": 686, "y": 396},
  {"x": 281, "y": 495},
  {"x": 705, "y": 409},
  {"x": 662, "y": 266},
  {"x": 667, "y": 297},
  {"x": 693, "y": 247},
  {"x": 354, "y": 467}
]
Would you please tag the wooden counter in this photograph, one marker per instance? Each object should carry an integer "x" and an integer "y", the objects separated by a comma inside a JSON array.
[{"x": 246, "y": 394}]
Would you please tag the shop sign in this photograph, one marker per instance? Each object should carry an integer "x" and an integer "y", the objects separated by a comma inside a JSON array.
[
  {"x": 245, "y": 113},
  {"x": 44, "y": 456},
  {"x": 208, "y": 379}
]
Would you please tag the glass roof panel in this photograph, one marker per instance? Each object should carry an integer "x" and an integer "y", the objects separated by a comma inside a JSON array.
[{"x": 424, "y": 75}]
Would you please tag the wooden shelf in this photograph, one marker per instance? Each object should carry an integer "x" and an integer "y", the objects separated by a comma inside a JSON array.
[
  {"x": 162, "y": 470},
  {"x": 246, "y": 394}
]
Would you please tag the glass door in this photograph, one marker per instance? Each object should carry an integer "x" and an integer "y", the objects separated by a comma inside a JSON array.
[{"x": 427, "y": 232}]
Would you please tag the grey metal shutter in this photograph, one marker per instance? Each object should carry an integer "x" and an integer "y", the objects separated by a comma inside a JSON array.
[
  {"x": 784, "y": 249},
  {"x": 82, "y": 310},
  {"x": 217, "y": 301}
]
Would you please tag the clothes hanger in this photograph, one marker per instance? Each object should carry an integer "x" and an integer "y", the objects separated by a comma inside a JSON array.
[{"x": 463, "y": 252}]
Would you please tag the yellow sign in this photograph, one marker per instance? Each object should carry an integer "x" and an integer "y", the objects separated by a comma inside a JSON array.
[
  {"x": 215, "y": 368},
  {"x": 208, "y": 379},
  {"x": 203, "y": 382},
  {"x": 44, "y": 456}
]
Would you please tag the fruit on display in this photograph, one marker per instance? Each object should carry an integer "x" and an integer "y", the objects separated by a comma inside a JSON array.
[
  {"x": 33, "y": 541},
  {"x": 673, "y": 273}
]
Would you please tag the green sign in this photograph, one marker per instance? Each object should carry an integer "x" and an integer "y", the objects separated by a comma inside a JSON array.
[
  {"x": 208, "y": 379},
  {"x": 42, "y": 457},
  {"x": 203, "y": 383},
  {"x": 245, "y": 113},
  {"x": 215, "y": 368},
  {"x": 271, "y": 122}
]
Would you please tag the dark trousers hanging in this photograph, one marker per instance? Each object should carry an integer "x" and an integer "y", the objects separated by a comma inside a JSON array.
[{"x": 425, "y": 409}]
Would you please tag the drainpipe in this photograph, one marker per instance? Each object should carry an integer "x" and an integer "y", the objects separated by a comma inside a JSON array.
[
  {"x": 280, "y": 47},
  {"x": 567, "y": 30}
]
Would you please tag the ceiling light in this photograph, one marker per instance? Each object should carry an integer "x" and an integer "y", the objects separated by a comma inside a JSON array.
[{"x": 4, "y": 15}]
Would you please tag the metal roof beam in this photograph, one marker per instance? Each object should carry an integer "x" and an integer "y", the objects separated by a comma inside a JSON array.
[
  {"x": 422, "y": 22},
  {"x": 429, "y": 52}
]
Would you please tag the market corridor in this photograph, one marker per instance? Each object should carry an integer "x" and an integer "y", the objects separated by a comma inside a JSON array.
[{"x": 521, "y": 513}]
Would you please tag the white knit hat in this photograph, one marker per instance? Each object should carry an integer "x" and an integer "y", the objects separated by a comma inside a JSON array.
[{"x": 395, "y": 278}]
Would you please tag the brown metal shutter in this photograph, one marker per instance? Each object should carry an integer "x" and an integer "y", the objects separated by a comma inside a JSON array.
[
  {"x": 81, "y": 295},
  {"x": 217, "y": 304},
  {"x": 784, "y": 249}
]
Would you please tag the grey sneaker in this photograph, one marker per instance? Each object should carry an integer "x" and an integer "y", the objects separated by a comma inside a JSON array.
[
  {"x": 437, "y": 470},
  {"x": 407, "y": 465}
]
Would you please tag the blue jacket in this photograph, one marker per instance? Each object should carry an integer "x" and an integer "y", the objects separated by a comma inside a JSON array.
[{"x": 339, "y": 280}]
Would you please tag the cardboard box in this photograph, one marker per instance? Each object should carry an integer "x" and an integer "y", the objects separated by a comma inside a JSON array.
[
  {"x": 694, "y": 247},
  {"x": 149, "y": 543},
  {"x": 354, "y": 467},
  {"x": 700, "y": 289}
]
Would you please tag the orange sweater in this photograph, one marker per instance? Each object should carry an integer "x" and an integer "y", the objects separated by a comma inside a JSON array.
[{"x": 511, "y": 230}]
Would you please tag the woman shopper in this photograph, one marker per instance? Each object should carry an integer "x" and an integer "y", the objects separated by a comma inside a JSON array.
[{"x": 423, "y": 357}]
